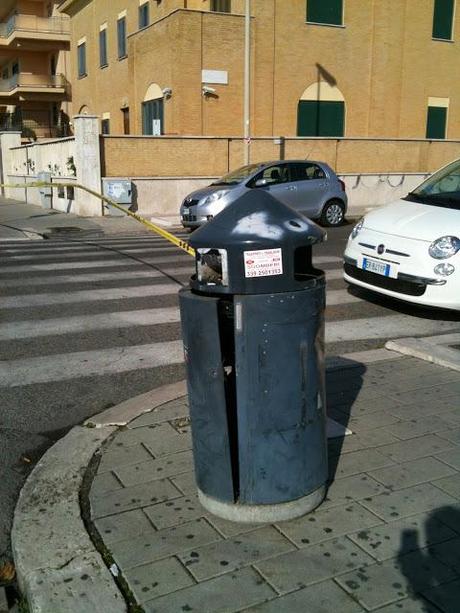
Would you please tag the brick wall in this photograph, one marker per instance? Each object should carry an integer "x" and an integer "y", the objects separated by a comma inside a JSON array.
[{"x": 143, "y": 156}]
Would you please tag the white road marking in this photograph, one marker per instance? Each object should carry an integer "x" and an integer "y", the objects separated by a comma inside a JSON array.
[
  {"x": 98, "y": 363},
  {"x": 121, "y": 261},
  {"x": 98, "y": 276},
  {"x": 117, "y": 261},
  {"x": 96, "y": 251},
  {"x": 390, "y": 326},
  {"x": 116, "y": 293},
  {"x": 16, "y": 330}
]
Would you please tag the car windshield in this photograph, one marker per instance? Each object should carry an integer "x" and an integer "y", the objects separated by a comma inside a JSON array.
[
  {"x": 441, "y": 189},
  {"x": 237, "y": 176}
]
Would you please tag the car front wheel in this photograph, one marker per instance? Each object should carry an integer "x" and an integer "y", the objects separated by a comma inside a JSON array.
[{"x": 332, "y": 213}]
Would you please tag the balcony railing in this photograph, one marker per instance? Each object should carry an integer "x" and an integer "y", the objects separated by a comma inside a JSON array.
[
  {"x": 35, "y": 124},
  {"x": 32, "y": 81},
  {"x": 31, "y": 23}
]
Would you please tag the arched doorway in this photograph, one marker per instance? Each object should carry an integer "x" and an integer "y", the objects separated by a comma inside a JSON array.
[
  {"x": 152, "y": 111},
  {"x": 321, "y": 111}
]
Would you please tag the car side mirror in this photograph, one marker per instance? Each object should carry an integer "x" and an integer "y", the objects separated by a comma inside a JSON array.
[{"x": 260, "y": 183}]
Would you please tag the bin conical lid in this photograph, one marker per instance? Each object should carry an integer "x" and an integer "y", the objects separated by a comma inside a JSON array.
[{"x": 257, "y": 219}]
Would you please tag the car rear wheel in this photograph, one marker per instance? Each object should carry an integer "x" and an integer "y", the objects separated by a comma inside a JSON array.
[{"x": 332, "y": 213}]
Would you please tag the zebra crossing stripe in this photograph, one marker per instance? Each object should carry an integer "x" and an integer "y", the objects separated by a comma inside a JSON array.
[
  {"x": 331, "y": 275},
  {"x": 67, "y": 366},
  {"x": 116, "y": 261},
  {"x": 91, "y": 252},
  {"x": 390, "y": 326},
  {"x": 101, "y": 362},
  {"x": 121, "y": 261},
  {"x": 116, "y": 293},
  {"x": 333, "y": 297},
  {"x": 97, "y": 276},
  {"x": 17, "y": 330}
]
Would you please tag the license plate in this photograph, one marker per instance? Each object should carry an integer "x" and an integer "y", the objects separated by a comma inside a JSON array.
[{"x": 380, "y": 268}]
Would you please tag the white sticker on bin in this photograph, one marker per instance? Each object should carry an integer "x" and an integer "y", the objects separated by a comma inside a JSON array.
[{"x": 263, "y": 263}]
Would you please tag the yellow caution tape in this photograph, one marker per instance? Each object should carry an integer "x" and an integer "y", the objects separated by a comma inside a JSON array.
[{"x": 148, "y": 224}]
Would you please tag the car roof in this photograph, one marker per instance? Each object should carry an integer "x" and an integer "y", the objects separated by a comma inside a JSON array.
[{"x": 291, "y": 161}]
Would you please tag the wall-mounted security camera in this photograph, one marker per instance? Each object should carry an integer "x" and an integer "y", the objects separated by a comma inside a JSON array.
[
  {"x": 167, "y": 92},
  {"x": 208, "y": 91}
]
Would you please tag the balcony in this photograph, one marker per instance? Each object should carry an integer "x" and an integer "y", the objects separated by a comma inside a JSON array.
[
  {"x": 31, "y": 26},
  {"x": 33, "y": 83}
]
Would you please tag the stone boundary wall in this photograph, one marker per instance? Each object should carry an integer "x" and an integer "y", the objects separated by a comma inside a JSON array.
[
  {"x": 163, "y": 170},
  {"x": 171, "y": 156}
]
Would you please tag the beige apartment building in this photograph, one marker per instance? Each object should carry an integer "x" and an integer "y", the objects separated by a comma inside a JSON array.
[
  {"x": 351, "y": 68},
  {"x": 34, "y": 59}
]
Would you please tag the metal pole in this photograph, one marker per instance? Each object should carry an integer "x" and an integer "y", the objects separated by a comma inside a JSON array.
[{"x": 247, "y": 79}]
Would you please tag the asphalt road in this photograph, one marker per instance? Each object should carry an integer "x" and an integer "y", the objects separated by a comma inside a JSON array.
[{"x": 86, "y": 325}]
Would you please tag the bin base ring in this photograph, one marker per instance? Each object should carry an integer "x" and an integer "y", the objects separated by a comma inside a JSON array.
[{"x": 263, "y": 513}]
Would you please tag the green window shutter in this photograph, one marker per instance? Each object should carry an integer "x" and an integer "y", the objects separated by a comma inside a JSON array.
[
  {"x": 320, "y": 118},
  {"x": 436, "y": 122},
  {"x": 442, "y": 19},
  {"x": 325, "y": 11}
]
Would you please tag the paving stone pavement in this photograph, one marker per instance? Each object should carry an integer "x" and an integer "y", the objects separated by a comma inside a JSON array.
[{"x": 387, "y": 537}]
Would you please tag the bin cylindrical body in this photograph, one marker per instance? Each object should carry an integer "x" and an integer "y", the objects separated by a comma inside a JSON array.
[{"x": 255, "y": 371}]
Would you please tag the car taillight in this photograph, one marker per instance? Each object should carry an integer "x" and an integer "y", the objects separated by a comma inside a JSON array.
[{"x": 342, "y": 184}]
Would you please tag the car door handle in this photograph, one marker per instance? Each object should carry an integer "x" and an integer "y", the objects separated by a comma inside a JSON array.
[{"x": 291, "y": 187}]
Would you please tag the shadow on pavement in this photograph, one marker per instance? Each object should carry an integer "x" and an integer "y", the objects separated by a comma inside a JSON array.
[
  {"x": 342, "y": 389},
  {"x": 431, "y": 568}
]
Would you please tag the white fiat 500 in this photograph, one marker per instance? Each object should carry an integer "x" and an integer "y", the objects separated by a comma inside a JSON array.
[{"x": 410, "y": 249}]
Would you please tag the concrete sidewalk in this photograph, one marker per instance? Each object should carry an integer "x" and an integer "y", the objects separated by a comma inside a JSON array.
[
  {"x": 22, "y": 221},
  {"x": 387, "y": 537}
]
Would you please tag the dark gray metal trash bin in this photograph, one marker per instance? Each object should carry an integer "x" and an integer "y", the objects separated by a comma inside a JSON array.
[{"x": 253, "y": 329}]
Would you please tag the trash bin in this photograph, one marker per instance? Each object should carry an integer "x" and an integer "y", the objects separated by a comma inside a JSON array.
[{"x": 253, "y": 330}]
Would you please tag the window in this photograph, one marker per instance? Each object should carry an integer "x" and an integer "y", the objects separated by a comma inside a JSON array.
[
  {"x": 125, "y": 113},
  {"x": 320, "y": 118},
  {"x": 221, "y": 6},
  {"x": 103, "y": 48},
  {"x": 105, "y": 126},
  {"x": 81, "y": 56},
  {"x": 307, "y": 171},
  {"x": 144, "y": 18},
  {"x": 273, "y": 175},
  {"x": 15, "y": 68},
  {"x": 121, "y": 34},
  {"x": 443, "y": 19},
  {"x": 325, "y": 11},
  {"x": 152, "y": 117},
  {"x": 436, "y": 120}
]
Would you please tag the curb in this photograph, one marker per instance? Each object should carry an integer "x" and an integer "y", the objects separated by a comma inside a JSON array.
[
  {"x": 49, "y": 540},
  {"x": 51, "y": 546},
  {"x": 433, "y": 349}
]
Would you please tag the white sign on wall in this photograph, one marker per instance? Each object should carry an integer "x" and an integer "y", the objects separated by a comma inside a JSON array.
[{"x": 214, "y": 76}]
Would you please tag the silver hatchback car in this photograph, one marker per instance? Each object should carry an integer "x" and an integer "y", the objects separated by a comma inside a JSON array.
[{"x": 311, "y": 188}]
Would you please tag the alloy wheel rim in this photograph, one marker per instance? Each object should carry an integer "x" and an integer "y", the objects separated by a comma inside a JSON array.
[{"x": 334, "y": 214}]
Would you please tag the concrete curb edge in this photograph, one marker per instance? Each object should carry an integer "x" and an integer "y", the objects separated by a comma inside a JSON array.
[{"x": 432, "y": 349}]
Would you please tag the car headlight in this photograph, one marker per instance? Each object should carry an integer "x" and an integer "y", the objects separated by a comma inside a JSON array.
[
  {"x": 357, "y": 229},
  {"x": 215, "y": 196},
  {"x": 444, "y": 247}
]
